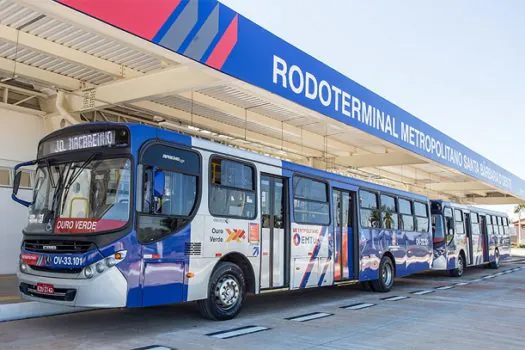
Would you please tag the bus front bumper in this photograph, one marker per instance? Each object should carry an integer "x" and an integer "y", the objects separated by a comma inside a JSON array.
[{"x": 107, "y": 290}]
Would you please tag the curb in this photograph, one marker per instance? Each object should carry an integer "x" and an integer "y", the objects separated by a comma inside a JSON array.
[{"x": 32, "y": 309}]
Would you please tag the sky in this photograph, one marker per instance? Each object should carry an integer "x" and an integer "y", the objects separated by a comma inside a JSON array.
[{"x": 457, "y": 65}]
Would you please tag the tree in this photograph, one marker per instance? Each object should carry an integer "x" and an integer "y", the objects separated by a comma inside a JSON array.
[{"x": 518, "y": 209}]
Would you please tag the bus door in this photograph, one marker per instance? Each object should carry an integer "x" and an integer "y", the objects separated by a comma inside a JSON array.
[
  {"x": 274, "y": 232},
  {"x": 344, "y": 234},
  {"x": 484, "y": 238},
  {"x": 476, "y": 238},
  {"x": 167, "y": 192},
  {"x": 469, "y": 247}
]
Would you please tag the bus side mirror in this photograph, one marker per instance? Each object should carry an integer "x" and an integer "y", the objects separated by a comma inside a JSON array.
[{"x": 16, "y": 183}]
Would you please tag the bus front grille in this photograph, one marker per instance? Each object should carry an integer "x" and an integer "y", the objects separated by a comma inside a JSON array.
[{"x": 52, "y": 246}]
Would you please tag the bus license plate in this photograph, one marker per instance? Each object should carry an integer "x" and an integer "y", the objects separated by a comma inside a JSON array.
[{"x": 45, "y": 288}]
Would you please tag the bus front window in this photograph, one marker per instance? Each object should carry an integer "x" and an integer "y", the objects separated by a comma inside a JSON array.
[
  {"x": 438, "y": 231},
  {"x": 83, "y": 197}
]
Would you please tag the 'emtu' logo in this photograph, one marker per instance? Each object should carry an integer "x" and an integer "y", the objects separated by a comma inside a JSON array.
[{"x": 296, "y": 239}]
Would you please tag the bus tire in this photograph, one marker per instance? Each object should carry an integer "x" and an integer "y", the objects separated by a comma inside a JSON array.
[
  {"x": 226, "y": 293},
  {"x": 496, "y": 263},
  {"x": 458, "y": 271},
  {"x": 366, "y": 286},
  {"x": 386, "y": 276}
]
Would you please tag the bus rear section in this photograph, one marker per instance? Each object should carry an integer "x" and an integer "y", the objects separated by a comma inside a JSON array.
[
  {"x": 132, "y": 216},
  {"x": 468, "y": 236}
]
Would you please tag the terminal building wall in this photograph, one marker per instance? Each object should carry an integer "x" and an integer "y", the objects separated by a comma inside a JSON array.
[{"x": 19, "y": 136}]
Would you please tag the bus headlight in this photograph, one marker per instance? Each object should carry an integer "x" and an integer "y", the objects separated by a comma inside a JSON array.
[
  {"x": 88, "y": 272},
  {"x": 100, "y": 267},
  {"x": 23, "y": 267},
  {"x": 104, "y": 264},
  {"x": 110, "y": 261}
]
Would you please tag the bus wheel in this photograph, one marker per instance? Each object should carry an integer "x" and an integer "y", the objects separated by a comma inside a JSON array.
[
  {"x": 458, "y": 271},
  {"x": 366, "y": 286},
  {"x": 386, "y": 276},
  {"x": 225, "y": 294},
  {"x": 495, "y": 264}
]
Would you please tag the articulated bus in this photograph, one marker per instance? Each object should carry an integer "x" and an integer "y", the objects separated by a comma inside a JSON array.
[
  {"x": 127, "y": 215},
  {"x": 468, "y": 236}
]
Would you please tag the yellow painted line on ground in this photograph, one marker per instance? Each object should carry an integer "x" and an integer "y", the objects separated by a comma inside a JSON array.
[{"x": 10, "y": 298}]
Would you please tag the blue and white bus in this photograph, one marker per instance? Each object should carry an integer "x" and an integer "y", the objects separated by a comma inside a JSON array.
[
  {"x": 468, "y": 236},
  {"x": 127, "y": 215}
]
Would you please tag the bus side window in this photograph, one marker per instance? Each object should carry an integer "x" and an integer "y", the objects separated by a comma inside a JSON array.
[
  {"x": 489, "y": 225},
  {"x": 474, "y": 223},
  {"x": 421, "y": 211},
  {"x": 170, "y": 191},
  {"x": 369, "y": 210},
  {"x": 389, "y": 214},
  {"x": 406, "y": 217},
  {"x": 500, "y": 226},
  {"x": 310, "y": 201},
  {"x": 458, "y": 217},
  {"x": 495, "y": 226},
  {"x": 449, "y": 222},
  {"x": 232, "y": 191}
]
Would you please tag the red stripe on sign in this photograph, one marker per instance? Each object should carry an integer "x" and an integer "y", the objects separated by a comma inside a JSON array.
[
  {"x": 224, "y": 47},
  {"x": 140, "y": 17}
]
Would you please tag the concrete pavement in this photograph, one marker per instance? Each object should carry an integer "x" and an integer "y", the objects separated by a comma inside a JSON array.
[
  {"x": 485, "y": 310},
  {"x": 9, "y": 289}
]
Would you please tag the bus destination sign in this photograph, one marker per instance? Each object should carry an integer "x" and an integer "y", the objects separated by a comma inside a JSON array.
[{"x": 78, "y": 142}]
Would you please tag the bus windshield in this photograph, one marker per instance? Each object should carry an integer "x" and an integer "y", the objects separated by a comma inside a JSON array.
[
  {"x": 83, "y": 197},
  {"x": 438, "y": 231}
]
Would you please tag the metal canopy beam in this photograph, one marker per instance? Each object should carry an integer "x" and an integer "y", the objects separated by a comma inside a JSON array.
[
  {"x": 459, "y": 186},
  {"x": 493, "y": 200},
  {"x": 284, "y": 129},
  {"x": 379, "y": 160},
  {"x": 164, "y": 82},
  {"x": 41, "y": 75},
  {"x": 230, "y": 130}
]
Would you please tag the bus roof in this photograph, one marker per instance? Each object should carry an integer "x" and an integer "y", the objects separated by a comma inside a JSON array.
[{"x": 469, "y": 208}]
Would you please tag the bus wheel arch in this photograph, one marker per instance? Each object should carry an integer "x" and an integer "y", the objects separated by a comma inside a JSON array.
[
  {"x": 386, "y": 274},
  {"x": 244, "y": 264},
  {"x": 495, "y": 263},
  {"x": 460, "y": 268},
  {"x": 391, "y": 257}
]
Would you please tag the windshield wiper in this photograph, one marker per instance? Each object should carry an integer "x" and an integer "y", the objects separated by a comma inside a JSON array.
[
  {"x": 50, "y": 215},
  {"x": 50, "y": 174},
  {"x": 73, "y": 177}
]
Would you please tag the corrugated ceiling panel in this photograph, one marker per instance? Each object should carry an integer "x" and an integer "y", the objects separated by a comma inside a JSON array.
[{"x": 17, "y": 16}]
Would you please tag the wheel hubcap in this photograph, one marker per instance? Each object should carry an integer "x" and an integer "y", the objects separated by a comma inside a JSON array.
[
  {"x": 460, "y": 265},
  {"x": 227, "y": 292},
  {"x": 387, "y": 275}
]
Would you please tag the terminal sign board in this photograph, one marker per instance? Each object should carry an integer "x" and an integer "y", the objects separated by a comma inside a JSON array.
[{"x": 213, "y": 34}]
